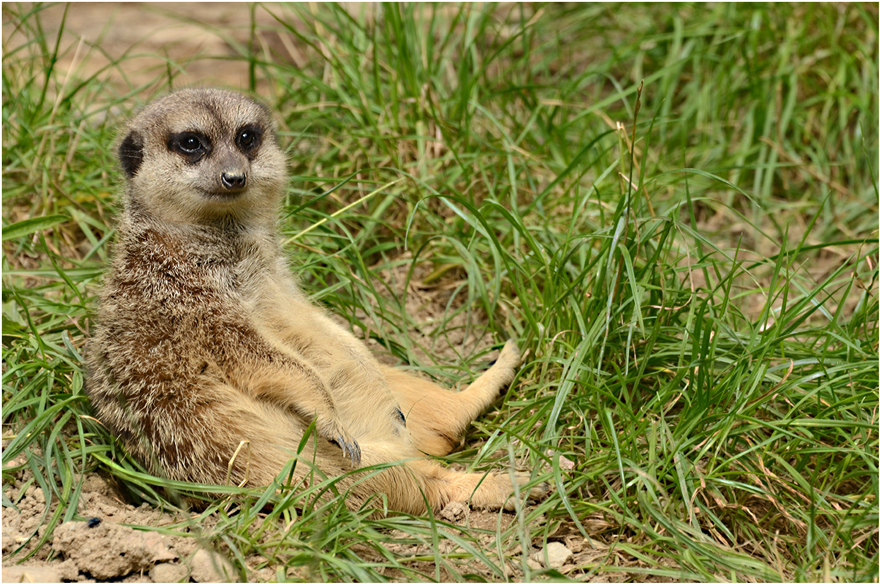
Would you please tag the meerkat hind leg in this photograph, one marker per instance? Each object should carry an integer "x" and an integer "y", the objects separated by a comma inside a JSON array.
[
  {"x": 482, "y": 490},
  {"x": 437, "y": 417}
]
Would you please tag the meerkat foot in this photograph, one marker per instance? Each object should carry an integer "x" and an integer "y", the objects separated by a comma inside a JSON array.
[
  {"x": 496, "y": 491},
  {"x": 534, "y": 494},
  {"x": 498, "y": 377},
  {"x": 333, "y": 431},
  {"x": 510, "y": 355}
]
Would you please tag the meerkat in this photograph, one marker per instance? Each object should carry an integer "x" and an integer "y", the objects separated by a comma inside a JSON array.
[{"x": 204, "y": 341}]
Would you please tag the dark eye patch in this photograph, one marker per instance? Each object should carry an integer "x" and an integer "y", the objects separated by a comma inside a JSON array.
[
  {"x": 131, "y": 153},
  {"x": 248, "y": 139},
  {"x": 192, "y": 145}
]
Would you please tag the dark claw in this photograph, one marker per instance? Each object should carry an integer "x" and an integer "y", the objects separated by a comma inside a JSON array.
[{"x": 352, "y": 451}]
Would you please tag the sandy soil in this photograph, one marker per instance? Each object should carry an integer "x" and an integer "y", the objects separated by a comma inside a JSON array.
[
  {"x": 81, "y": 551},
  {"x": 183, "y": 32}
]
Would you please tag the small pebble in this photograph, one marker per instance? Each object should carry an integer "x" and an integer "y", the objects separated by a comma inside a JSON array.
[
  {"x": 454, "y": 511},
  {"x": 553, "y": 556}
]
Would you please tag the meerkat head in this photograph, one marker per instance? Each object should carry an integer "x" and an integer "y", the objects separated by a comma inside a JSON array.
[{"x": 204, "y": 155}]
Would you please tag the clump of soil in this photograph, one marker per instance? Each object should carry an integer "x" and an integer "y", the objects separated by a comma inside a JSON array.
[
  {"x": 109, "y": 550},
  {"x": 100, "y": 548}
]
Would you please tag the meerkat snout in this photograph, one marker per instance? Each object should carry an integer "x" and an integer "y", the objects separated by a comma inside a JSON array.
[
  {"x": 233, "y": 180},
  {"x": 233, "y": 171}
]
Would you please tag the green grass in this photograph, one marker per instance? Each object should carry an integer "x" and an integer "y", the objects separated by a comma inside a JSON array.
[{"x": 691, "y": 267}]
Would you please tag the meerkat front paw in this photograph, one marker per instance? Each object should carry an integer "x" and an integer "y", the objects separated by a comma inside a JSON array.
[{"x": 333, "y": 431}]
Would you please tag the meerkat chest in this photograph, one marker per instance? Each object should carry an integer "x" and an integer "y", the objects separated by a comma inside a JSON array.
[
  {"x": 287, "y": 316},
  {"x": 277, "y": 307}
]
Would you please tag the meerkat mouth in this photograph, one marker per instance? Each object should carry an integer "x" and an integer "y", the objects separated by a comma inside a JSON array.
[{"x": 223, "y": 197}]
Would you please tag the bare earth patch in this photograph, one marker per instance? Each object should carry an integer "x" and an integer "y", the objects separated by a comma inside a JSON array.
[{"x": 102, "y": 548}]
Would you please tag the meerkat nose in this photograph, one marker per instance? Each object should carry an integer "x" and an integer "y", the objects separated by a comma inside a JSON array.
[{"x": 233, "y": 181}]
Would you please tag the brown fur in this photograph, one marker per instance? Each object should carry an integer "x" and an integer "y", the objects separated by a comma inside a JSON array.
[{"x": 204, "y": 339}]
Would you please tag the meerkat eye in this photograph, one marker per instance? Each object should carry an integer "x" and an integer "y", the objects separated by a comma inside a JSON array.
[
  {"x": 193, "y": 146},
  {"x": 248, "y": 139},
  {"x": 190, "y": 143}
]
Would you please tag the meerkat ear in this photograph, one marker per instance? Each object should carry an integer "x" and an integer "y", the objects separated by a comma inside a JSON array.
[{"x": 131, "y": 153}]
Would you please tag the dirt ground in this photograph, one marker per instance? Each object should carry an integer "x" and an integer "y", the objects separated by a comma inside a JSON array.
[{"x": 181, "y": 32}]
